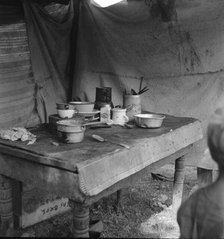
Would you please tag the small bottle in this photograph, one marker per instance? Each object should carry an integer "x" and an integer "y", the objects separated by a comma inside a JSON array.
[{"x": 105, "y": 113}]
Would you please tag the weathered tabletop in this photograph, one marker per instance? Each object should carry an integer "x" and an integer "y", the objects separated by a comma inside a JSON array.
[
  {"x": 100, "y": 164},
  {"x": 82, "y": 170}
]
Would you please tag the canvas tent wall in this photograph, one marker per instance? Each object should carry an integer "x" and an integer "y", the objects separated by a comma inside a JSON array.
[
  {"x": 178, "y": 48},
  {"x": 181, "y": 58}
]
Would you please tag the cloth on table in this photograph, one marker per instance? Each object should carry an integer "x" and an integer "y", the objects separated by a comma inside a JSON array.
[{"x": 17, "y": 133}]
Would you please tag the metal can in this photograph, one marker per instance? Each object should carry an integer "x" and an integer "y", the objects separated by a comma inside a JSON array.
[
  {"x": 133, "y": 105},
  {"x": 105, "y": 113}
]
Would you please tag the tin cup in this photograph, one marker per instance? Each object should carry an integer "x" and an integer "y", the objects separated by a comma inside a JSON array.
[{"x": 119, "y": 116}]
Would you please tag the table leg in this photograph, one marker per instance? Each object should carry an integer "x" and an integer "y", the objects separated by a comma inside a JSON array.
[
  {"x": 178, "y": 182},
  {"x": 159, "y": 223},
  {"x": 80, "y": 219},
  {"x": 119, "y": 197},
  {"x": 6, "y": 209}
]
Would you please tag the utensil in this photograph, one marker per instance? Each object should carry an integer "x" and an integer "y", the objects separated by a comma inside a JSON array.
[
  {"x": 129, "y": 126},
  {"x": 133, "y": 92},
  {"x": 71, "y": 123},
  {"x": 143, "y": 90},
  {"x": 101, "y": 139},
  {"x": 100, "y": 126},
  {"x": 98, "y": 123},
  {"x": 140, "y": 87}
]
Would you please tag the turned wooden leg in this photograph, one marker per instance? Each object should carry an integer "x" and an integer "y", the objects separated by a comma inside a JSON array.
[
  {"x": 119, "y": 197},
  {"x": 118, "y": 204},
  {"x": 80, "y": 219},
  {"x": 178, "y": 182},
  {"x": 6, "y": 209}
]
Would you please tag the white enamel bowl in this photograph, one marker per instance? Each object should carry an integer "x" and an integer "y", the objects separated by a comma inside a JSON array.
[
  {"x": 65, "y": 113},
  {"x": 82, "y": 106},
  {"x": 149, "y": 120}
]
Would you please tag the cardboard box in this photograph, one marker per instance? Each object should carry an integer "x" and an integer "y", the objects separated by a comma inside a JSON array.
[{"x": 31, "y": 207}]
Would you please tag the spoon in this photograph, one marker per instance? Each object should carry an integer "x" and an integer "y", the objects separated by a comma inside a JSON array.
[
  {"x": 101, "y": 139},
  {"x": 109, "y": 123}
]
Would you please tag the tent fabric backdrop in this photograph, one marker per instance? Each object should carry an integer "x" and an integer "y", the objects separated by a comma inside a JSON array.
[
  {"x": 181, "y": 60},
  {"x": 50, "y": 46}
]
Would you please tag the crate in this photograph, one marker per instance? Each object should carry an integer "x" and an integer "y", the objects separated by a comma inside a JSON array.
[{"x": 31, "y": 207}]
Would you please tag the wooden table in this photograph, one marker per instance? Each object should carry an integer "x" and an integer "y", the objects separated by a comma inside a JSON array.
[{"x": 87, "y": 171}]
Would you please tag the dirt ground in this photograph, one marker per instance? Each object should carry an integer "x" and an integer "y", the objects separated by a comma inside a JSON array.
[{"x": 137, "y": 216}]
